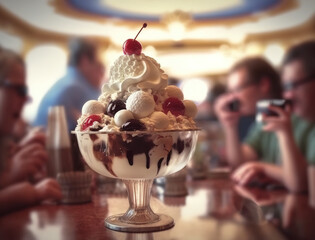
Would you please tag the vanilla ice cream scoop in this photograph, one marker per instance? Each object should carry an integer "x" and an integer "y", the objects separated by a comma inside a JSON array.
[
  {"x": 190, "y": 108},
  {"x": 122, "y": 117},
  {"x": 160, "y": 120},
  {"x": 173, "y": 91},
  {"x": 93, "y": 107},
  {"x": 141, "y": 104}
]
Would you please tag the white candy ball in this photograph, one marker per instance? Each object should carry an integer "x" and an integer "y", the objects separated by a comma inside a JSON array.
[
  {"x": 122, "y": 117},
  {"x": 190, "y": 108},
  {"x": 93, "y": 107},
  {"x": 141, "y": 104},
  {"x": 160, "y": 120},
  {"x": 173, "y": 91}
]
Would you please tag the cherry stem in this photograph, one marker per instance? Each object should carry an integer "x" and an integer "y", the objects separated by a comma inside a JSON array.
[{"x": 143, "y": 26}]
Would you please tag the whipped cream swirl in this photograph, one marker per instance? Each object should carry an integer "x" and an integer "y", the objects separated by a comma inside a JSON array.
[{"x": 133, "y": 72}]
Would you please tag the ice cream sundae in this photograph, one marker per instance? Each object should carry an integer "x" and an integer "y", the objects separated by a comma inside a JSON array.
[
  {"x": 137, "y": 98},
  {"x": 140, "y": 128}
]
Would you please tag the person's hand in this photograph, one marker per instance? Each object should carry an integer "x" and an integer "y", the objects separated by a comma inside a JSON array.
[
  {"x": 259, "y": 196},
  {"x": 249, "y": 172},
  {"x": 28, "y": 163},
  {"x": 24, "y": 194},
  {"x": 227, "y": 118},
  {"x": 48, "y": 189},
  {"x": 280, "y": 123},
  {"x": 35, "y": 135}
]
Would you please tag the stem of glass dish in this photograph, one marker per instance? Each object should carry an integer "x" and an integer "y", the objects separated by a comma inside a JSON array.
[{"x": 139, "y": 193}]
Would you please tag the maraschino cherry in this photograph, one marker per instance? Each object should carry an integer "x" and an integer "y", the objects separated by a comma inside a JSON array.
[
  {"x": 174, "y": 105},
  {"x": 90, "y": 120},
  {"x": 132, "y": 46}
]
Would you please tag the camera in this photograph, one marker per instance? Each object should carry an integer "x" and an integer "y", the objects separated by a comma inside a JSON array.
[
  {"x": 234, "y": 106},
  {"x": 263, "y": 107}
]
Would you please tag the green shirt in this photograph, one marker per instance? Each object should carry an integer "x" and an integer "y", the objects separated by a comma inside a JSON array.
[{"x": 266, "y": 144}]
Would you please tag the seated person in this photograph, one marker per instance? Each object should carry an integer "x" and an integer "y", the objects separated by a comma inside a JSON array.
[
  {"x": 19, "y": 164},
  {"x": 81, "y": 83},
  {"x": 250, "y": 80},
  {"x": 285, "y": 142}
]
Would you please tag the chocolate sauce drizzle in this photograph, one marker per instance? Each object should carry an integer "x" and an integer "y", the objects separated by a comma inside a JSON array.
[
  {"x": 137, "y": 145},
  {"x": 159, "y": 165},
  {"x": 126, "y": 145},
  {"x": 130, "y": 157},
  {"x": 147, "y": 160},
  {"x": 119, "y": 147},
  {"x": 169, "y": 155},
  {"x": 179, "y": 146},
  {"x": 105, "y": 153}
]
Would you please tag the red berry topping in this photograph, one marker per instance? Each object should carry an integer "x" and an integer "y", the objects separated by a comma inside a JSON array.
[
  {"x": 89, "y": 121},
  {"x": 132, "y": 46},
  {"x": 115, "y": 106},
  {"x": 174, "y": 105},
  {"x": 133, "y": 125}
]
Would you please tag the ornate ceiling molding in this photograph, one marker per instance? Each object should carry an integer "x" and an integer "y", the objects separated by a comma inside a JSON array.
[
  {"x": 15, "y": 24},
  {"x": 92, "y": 11}
]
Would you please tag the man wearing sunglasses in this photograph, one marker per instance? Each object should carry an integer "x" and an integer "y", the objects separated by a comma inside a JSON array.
[
  {"x": 19, "y": 163},
  {"x": 285, "y": 142},
  {"x": 13, "y": 95}
]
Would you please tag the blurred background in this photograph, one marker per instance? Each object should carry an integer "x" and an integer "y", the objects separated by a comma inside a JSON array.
[{"x": 196, "y": 42}]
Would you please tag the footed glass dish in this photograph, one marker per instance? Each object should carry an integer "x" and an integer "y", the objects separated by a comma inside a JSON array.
[{"x": 137, "y": 158}]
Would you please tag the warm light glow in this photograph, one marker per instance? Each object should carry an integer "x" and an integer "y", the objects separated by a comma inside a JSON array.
[
  {"x": 45, "y": 65},
  {"x": 176, "y": 23},
  {"x": 195, "y": 89},
  {"x": 150, "y": 51},
  {"x": 177, "y": 30},
  {"x": 274, "y": 53},
  {"x": 253, "y": 48},
  {"x": 196, "y": 63},
  {"x": 236, "y": 37}
]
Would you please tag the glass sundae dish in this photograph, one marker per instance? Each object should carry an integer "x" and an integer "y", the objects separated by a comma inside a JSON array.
[
  {"x": 139, "y": 129},
  {"x": 137, "y": 158}
]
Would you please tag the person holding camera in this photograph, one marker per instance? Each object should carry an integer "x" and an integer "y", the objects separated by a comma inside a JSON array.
[
  {"x": 284, "y": 140},
  {"x": 249, "y": 81}
]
